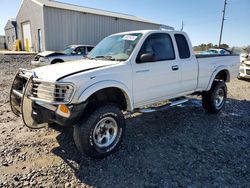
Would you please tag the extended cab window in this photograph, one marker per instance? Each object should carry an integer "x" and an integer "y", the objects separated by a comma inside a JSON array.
[
  {"x": 182, "y": 45},
  {"x": 160, "y": 45}
]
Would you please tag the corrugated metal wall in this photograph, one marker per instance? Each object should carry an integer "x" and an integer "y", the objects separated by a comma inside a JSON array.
[{"x": 65, "y": 27}]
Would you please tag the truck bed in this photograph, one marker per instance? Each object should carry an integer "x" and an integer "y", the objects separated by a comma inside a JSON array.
[
  {"x": 208, "y": 64},
  {"x": 213, "y": 55}
]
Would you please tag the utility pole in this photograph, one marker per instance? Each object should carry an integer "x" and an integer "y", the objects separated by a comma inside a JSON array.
[
  {"x": 223, "y": 19},
  {"x": 182, "y": 26}
]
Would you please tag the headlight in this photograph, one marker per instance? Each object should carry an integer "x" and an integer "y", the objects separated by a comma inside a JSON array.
[
  {"x": 44, "y": 59},
  {"x": 54, "y": 93},
  {"x": 37, "y": 57}
]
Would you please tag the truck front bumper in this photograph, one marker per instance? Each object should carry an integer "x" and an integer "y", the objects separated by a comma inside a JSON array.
[
  {"x": 37, "y": 113},
  {"x": 44, "y": 113}
]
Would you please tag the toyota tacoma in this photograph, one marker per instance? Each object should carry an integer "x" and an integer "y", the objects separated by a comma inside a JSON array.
[{"x": 125, "y": 72}]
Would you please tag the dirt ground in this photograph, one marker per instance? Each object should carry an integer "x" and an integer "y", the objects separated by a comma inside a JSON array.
[{"x": 180, "y": 147}]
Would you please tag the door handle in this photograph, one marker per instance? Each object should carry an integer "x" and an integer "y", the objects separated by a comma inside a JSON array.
[
  {"x": 175, "y": 67},
  {"x": 141, "y": 71}
]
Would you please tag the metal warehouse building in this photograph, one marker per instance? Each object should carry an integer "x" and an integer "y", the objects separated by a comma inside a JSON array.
[
  {"x": 51, "y": 25},
  {"x": 2, "y": 42}
]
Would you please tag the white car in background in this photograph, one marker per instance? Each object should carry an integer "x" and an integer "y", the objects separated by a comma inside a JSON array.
[
  {"x": 219, "y": 51},
  {"x": 244, "y": 66},
  {"x": 216, "y": 51},
  {"x": 73, "y": 52},
  {"x": 243, "y": 57}
]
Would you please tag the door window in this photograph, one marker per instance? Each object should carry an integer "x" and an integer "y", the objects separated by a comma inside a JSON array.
[
  {"x": 160, "y": 45},
  {"x": 182, "y": 45},
  {"x": 80, "y": 51}
]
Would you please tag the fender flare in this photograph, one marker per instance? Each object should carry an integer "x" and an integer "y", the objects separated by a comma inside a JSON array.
[
  {"x": 86, "y": 93},
  {"x": 216, "y": 71}
]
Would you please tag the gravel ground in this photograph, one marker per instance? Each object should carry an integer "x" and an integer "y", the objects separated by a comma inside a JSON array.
[{"x": 180, "y": 147}]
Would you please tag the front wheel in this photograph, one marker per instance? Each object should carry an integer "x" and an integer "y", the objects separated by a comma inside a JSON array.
[
  {"x": 214, "y": 99},
  {"x": 101, "y": 133},
  {"x": 55, "y": 61}
]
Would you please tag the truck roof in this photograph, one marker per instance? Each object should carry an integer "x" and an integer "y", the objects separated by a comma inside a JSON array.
[{"x": 150, "y": 31}]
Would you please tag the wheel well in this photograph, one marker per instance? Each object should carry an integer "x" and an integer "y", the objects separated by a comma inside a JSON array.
[
  {"x": 57, "y": 61},
  {"x": 109, "y": 95},
  {"x": 223, "y": 75}
]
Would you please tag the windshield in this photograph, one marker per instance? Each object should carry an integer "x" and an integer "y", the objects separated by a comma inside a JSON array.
[
  {"x": 68, "y": 50},
  {"x": 116, "y": 47},
  {"x": 213, "y": 51}
]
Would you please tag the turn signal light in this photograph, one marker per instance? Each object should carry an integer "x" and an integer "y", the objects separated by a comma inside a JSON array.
[{"x": 63, "y": 110}]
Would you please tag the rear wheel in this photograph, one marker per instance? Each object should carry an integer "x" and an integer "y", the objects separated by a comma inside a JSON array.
[
  {"x": 101, "y": 133},
  {"x": 214, "y": 99}
]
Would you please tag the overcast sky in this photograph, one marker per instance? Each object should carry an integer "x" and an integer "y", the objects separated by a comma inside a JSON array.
[{"x": 202, "y": 18}]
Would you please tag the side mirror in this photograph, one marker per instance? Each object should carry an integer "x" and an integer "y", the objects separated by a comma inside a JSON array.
[
  {"x": 73, "y": 52},
  {"x": 148, "y": 57}
]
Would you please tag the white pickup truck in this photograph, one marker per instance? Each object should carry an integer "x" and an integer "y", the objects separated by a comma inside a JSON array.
[{"x": 124, "y": 72}]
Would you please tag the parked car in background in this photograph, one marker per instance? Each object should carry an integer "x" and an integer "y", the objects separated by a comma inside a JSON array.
[
  {"x": 73, "y": 52},
  {"x": 244, "y": 66},
  {"x": 215, "y": 51}
]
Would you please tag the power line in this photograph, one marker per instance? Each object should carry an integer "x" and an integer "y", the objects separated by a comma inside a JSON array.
[
  {"x": 182, "y": 26},
  {"x": 223, "y": 19}
]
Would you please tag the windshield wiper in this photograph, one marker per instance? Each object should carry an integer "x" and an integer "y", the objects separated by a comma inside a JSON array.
[
  {"x": 105, "y": 57},
  {"x": 120, "y": 59}
]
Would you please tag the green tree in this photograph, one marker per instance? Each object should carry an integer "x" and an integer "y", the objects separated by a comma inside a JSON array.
[
  {"x": 205, "y": 47},
  {"x": 224, "y": 46}
]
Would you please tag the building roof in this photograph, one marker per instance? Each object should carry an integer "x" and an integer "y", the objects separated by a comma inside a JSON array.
[
  {"x": 56, "y": 4},
  {"x": 11, "y": 23}
]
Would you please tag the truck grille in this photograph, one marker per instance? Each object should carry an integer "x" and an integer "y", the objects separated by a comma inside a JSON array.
[{"x": 51, "y": 92}]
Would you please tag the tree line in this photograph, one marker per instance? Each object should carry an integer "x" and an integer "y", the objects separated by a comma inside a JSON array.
[{"x": 205, "y": 47}]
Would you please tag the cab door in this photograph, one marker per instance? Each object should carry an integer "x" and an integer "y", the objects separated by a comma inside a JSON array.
[
  {"x": 159, "y": 78},
  {"x": 188, "y": 64}
]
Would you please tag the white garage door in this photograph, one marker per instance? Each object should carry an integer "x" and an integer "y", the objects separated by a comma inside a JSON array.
[{"x": 27, "y": 34}]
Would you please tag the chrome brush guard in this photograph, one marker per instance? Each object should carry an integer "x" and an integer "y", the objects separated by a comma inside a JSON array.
[{"x": 20, "y": 102}]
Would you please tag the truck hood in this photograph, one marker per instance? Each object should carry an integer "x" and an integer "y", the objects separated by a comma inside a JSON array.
[
  {"x": 49, "y": 53},
  {"x": 57, "y": 71}
]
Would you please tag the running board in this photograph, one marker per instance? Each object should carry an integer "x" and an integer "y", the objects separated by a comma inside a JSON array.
[{"x": 164, "y": 107}]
